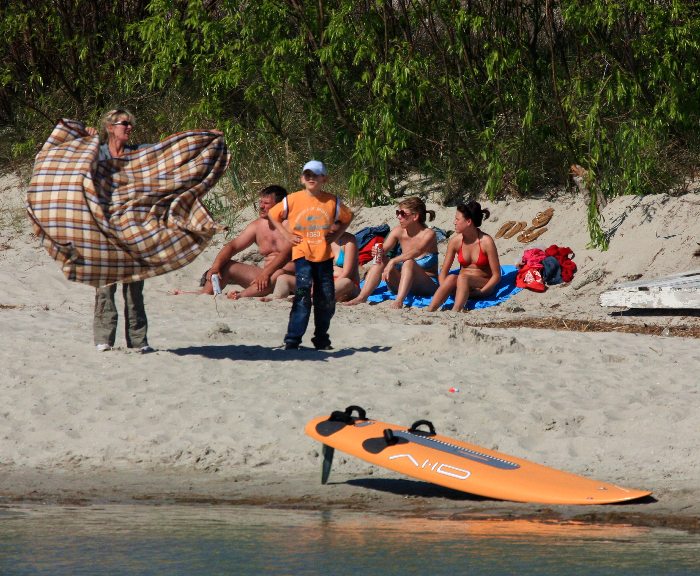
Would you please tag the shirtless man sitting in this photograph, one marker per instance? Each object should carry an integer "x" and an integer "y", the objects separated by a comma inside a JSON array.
[{"x": 275, "y": 249}]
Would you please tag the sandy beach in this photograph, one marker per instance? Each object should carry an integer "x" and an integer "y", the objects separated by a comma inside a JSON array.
[{"x": 217, "y": 412}]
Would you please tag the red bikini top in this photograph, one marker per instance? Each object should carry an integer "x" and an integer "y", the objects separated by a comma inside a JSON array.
[{"x": 481, "y": 262}]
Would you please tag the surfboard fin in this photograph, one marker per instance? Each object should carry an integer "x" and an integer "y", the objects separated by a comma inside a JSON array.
[{"x": 327, "y": 452}]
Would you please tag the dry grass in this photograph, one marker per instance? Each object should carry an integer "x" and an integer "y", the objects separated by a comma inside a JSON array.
[{"x": 548, "y": 323}]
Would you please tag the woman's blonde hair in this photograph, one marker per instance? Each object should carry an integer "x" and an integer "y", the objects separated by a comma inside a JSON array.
[
  {"x": 417, "y": 206},
  {"x": 112, "y": 116}
]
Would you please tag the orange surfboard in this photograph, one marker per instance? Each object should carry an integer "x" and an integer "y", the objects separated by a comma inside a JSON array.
[{"x": 426, "y": 455}]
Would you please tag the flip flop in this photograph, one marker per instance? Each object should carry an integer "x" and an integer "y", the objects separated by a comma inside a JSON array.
[
  {"x": 543, "y": 218},
  {"x": 503, "y": 229},
  {"x": 531, "y": 234},
  {"x": 519, "y": 227}
]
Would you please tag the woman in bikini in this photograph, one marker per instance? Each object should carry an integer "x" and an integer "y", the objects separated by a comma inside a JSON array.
[
  {"x": 480, "y": 270},
  {"x": 346, "y": 271},
  {"x": 414, "y": 271}
]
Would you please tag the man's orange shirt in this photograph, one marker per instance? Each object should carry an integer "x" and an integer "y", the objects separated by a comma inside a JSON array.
[{"x": 311, "y": 217}]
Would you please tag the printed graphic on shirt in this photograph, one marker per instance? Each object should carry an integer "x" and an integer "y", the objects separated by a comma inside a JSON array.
[
  {"x": 310, "y": 218},
  {"x": 313, "y": 224}
]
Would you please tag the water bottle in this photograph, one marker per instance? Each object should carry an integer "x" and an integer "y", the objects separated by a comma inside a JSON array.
[
  {"x": 215, "y": 284},
  {"x": 379, "y": 253}
]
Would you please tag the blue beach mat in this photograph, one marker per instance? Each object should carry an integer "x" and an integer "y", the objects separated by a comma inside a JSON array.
[{"x": 504, "y": 290}]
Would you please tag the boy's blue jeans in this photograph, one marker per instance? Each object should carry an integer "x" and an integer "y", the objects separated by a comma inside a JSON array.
[{"x": 319, "y": 276}]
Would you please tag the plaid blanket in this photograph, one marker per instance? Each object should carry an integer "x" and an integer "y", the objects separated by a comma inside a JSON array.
[{"x": 128, "y": 218}]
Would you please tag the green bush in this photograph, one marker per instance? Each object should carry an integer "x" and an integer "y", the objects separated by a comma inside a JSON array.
[{"x": 488, "y": 97}]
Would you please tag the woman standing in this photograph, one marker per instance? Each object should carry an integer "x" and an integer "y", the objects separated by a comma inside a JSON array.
[
  {"x": 116, "y": 127},
  {"x": 109, "y": 212},
  {"x": 480, "y": 269},
  {"x": 414, "y": 271}
]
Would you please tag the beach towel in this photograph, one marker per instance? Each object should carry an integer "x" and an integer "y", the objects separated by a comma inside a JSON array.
[
  {"x": 126, "y": 218},
  {"x": 504, "y": 290}
]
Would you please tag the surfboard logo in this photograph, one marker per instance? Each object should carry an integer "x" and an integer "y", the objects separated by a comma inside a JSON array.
[{"x": 437, "y": 467}]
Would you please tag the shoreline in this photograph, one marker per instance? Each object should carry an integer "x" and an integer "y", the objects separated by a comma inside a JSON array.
[{"x": 386, "y": 496}]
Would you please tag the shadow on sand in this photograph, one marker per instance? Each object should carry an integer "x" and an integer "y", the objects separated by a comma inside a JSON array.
[
  {"x": 257, "y": 352},
  {"x": 428, "y": 490},
  {"x": 414, "y": 488},
  {"x": 657, "y": 312}
]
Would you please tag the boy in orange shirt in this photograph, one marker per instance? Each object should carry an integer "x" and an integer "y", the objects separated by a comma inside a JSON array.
[{"x": 310, "y": 213}]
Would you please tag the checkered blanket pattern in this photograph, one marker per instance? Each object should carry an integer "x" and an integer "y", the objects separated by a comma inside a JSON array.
[{"x": 128, "y": 218}]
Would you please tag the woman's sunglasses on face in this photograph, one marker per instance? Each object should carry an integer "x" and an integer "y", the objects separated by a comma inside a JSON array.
[
  {"x": 124, "y": 123},
  {"x": 402, "y": 214}
]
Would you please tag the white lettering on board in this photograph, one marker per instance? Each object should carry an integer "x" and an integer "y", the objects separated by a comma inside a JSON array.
[{"x": 437, "y": 467}]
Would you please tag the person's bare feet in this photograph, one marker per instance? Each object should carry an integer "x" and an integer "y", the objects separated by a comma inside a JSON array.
[
  {"x": 353, "y": 302},
  {"x": 178, "y": 292},
  {"x": 396, "y": 304},
  {"x": 233, "y": 295}
]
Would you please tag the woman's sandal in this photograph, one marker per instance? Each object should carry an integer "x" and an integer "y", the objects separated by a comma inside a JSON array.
[
  {"x": 543, "y": 218},
  {"x": 532, "y": 233},
  {"x": 503, "y": 229},
  {"x": 519, "y": 227}
]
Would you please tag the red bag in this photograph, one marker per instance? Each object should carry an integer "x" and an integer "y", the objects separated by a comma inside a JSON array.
[{"x": 530, "y": 278}]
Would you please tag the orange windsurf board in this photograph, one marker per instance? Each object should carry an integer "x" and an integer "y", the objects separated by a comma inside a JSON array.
[{"x": 426, "y": 455}]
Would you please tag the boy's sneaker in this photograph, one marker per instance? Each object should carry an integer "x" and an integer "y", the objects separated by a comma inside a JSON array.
[
  {"x": 103, "y": 347},
  {"x": 146, "y": 349},
  {"x": 321, "y": 343},
  {"x": 291, "y": 346}
]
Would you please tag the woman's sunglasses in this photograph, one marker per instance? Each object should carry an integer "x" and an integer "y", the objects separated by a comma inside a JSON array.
[
  {"x": 403, "y": 214},
  {"x": 122, "y": 123}
]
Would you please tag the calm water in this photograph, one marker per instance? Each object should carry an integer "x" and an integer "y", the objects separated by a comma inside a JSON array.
[{"x": 190, "y": 540}]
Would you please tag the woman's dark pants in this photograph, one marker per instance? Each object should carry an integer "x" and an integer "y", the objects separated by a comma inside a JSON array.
[{"x": 104, "y": 325}]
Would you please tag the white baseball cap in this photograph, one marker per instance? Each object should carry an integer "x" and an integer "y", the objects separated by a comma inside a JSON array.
[{"x": 316, "y": 167}]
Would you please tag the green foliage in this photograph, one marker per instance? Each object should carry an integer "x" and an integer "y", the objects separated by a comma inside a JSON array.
[
  {"x": 218, "y": 202},
  {"x": 488, "y": 96}
]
